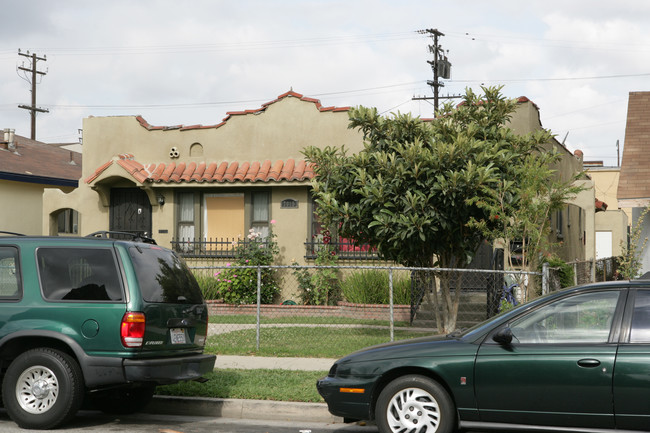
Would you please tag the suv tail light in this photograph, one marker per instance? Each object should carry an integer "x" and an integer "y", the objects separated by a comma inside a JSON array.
[{"x": 132, "y": 329}]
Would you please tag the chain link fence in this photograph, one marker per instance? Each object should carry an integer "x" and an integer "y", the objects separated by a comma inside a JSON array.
[
  {"x": 329, "y": 311},
  {"x": 590, "y": 271}
]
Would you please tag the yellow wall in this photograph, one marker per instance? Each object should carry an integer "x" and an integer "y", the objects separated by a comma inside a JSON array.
[{"x": 21, "y": 208}]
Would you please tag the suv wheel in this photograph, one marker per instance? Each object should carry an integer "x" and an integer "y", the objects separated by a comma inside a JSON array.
[{"x": 43, "y": 388}]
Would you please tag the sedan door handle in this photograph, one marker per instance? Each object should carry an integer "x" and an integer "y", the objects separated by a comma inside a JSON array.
[{"x": 589, "y": 363}]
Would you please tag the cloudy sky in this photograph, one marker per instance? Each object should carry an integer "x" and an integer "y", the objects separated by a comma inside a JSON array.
[{"x": 190, "y": 62}]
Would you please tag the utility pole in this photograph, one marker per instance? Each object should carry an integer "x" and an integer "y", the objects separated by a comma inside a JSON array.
[
  {"x": 440, "y": 66},
  {"x": 34, "y": 74}
]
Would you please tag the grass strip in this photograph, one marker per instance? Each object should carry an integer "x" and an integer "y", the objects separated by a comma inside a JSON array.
[
  {"x": 278, "y": 385},
  {"x": 309, "y": 320},
  {"x": 309, "y": 342}
]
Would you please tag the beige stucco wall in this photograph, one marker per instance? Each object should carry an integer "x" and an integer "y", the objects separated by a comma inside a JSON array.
[
  {"x": 280, "y": 132},
  {"x": 606, "y": 184},
  {"x": 22, "y": 206},
  {"x": 616, "y": 222}
]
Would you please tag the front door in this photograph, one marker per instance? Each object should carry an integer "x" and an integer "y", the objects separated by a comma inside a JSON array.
[
  {"x": 558, "y": 369},
  {"x": 130, "y": 211}
]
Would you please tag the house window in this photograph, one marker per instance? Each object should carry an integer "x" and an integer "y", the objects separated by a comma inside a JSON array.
[
  {"x": 186, "y": 215},
  {"x": 210, "y": 223},
  {"x": 223, "y": 217},
  {"x": 559, "y": 223},
  {"x": 68, "y": 222},
  {"x": 260, "y": 212}
]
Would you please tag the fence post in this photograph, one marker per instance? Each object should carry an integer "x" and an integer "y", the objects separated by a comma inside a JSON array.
[
  {"x": 259, "y": 302},
  {"x": 545, "y": 269},
  {"x": 390, "y": 301}
]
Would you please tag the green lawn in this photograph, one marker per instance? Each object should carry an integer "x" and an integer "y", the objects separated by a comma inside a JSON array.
[
  {"x": 279, "y": 385},
  {"x": 313, "y": 320},
  {"x": 311, "y": 342}
]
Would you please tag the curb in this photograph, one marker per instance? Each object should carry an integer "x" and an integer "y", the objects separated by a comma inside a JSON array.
[{"x": 242, "y": 409}]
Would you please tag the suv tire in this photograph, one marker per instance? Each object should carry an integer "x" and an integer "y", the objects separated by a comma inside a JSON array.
[{"x": 42, "y": 388}]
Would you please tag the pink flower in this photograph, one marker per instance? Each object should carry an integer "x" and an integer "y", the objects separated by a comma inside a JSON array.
[
  {"x": 227, "y": 264},
  {"x": 272, "y": 221}
]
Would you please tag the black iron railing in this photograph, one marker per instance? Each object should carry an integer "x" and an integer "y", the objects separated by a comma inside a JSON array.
[{"x": 344, "y": 249}]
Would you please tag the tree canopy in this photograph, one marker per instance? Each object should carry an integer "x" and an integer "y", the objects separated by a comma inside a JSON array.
[{"x": 417, "y": 189}]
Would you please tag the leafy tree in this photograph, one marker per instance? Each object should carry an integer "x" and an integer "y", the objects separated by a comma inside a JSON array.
[
  {"x": 418, "y": 190},
  {"x": 630, "y": 264},
  {"x": 522, "y": 203}
]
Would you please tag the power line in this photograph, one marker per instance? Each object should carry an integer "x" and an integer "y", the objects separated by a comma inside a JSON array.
[
  {"x": 517, "y": 80},
  {"x": 229, "y": 46}
]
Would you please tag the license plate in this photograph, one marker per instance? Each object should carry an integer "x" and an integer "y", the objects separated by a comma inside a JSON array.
[{"x": 177, "y": 335}]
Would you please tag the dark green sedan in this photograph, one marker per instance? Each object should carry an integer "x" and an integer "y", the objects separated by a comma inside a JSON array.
[{"x": 576, "y": 360}]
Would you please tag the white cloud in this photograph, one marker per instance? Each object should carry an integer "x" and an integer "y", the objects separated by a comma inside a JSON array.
[{"x": 139, "y": 55}]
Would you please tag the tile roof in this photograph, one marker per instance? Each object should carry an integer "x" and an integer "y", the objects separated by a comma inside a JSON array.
[
  {"x": 37, "y": 162},
  {"x": 230, "y": 114},
  {"x": 635, "y": 165},
  {"x": 210, "y": 172}
]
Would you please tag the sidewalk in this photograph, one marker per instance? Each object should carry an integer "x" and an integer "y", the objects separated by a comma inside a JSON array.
[{"x": 257, "y": 362}]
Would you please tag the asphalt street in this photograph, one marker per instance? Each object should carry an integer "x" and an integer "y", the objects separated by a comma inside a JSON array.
[{"x": 98, "y": 422}]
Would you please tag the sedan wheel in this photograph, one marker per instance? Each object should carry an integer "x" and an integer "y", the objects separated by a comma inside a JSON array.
[{"x": 414, "y": 404}]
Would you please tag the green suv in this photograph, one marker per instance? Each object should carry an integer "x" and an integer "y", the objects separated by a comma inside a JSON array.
[{"x": 97, "y": 320}]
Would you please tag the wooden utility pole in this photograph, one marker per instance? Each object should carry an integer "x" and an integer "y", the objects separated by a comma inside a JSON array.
[
  {"x": 32, "y": 80},
  {"x": 440, "y": 66}
]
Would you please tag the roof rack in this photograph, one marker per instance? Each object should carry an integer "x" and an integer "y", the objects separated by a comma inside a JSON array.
[
  {"x": 137, "y": 237},
  {"x": 11, "y": 233}
]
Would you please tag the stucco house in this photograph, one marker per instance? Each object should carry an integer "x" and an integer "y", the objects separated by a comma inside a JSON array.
[
  {"x": 611, "y": 226},
  {"x": 573, "y": 227},
  {"x": 633, "y": 187},
  {"x": 197, "y": 188},
  {"x": 27, "y": 168}
]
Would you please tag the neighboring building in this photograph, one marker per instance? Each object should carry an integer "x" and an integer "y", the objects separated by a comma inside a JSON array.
[
  {"x": 634, "y": 184},
  {"x": 571, "y": 228},
  {"x": 27, "y": 168},
  {"x": 611, "y": 226}
]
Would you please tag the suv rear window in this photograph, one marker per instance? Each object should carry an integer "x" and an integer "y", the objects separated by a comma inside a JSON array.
[
  {"x": 79, "y": 274},
  {"x": 163, "y": 276}
]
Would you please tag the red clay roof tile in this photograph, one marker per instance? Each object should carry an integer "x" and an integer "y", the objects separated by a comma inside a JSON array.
[{"x": 213, "y": 172}]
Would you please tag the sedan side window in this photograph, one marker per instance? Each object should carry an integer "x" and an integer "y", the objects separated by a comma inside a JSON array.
[
  {"x": 640, "y": 331},
  {"x": 583, "y": 318}
]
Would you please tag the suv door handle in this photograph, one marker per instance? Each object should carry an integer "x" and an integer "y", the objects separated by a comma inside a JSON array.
[{"x": 589, "y": 363}]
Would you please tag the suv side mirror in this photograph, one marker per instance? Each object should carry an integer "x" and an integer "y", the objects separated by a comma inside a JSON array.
[{"x": 503, "y": 336}]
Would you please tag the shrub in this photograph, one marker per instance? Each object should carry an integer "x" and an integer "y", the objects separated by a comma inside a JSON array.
[
  {"x": 208, "y": 285},
  {"x": 565, "y": 271},
  {"x": 370, "y": 286},
  {"x": 322, "y": 287},
  {"x": 239, "y": 285}
]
